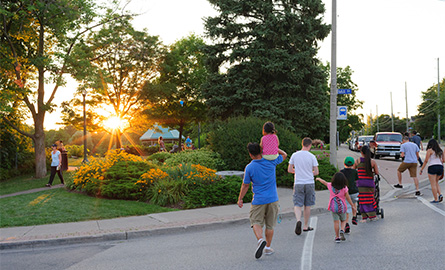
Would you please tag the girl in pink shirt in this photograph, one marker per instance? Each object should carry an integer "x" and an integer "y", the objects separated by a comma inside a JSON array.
[
  {"x": 338, "y": 191},
  {"x": 269, "y": 141}
]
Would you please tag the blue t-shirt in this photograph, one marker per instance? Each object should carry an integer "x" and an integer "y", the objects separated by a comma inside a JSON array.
[
  {"x": 261, "y": 173},
  {"x": 416, "y": 139},
  {"x": 410, "y": 149}
]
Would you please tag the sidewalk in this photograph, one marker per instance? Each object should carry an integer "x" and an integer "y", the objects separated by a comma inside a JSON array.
[{"x": 171, "y": 222}]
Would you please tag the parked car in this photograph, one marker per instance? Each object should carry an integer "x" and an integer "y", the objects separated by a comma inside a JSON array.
[
  {"x": 352, "y": 143},
  {"x": 386, "y": 144},
  {"x": 362, "y": 140}
]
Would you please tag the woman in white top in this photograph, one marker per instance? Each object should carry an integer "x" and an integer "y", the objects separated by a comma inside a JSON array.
[
  {"x": 435, "y": 159},
  {"x": 56, "y": 163}
]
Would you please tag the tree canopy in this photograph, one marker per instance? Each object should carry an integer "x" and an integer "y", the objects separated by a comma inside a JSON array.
[
  {"x": 263, "y": 62},
  {"x": 37, "y": 36},
  {"x": 175, "y": 96}
]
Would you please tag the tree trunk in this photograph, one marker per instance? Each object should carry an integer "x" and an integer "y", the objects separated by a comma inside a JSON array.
[
  {"x": 118, "y": 140},
  {"x": 39, "y": 147},
  {"x": 181, "y": 126}
]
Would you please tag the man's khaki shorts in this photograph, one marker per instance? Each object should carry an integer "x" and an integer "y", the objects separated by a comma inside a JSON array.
[
  {"x": 412, "y": 168},
  {"x": 264, "y": 214}
]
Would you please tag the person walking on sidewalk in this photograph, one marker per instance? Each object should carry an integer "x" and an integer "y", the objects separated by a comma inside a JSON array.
[
  {"x": 366, "y": 169},
  {"x": 352, "y": 176},
  {"x": 435, "y": 159},
  {"x": 418, "y": 141},
  {"x": 56, "y": 163},
  {"x": 409, "y": 151},
  {"x": 338, "y": 196},
  {"x": 264, "y": 209},
  {"x": 304, "y": 166}
]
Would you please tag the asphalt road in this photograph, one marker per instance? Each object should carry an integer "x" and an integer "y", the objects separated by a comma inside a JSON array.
[{"x": 411, "y": 236}]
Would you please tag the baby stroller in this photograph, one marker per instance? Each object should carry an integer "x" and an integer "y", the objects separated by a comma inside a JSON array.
[{"x": 378, "y": 210}]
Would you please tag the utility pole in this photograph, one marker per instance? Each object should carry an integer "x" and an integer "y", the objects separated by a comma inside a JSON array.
[
  {"x": 333, "y": 100},
  {"x": 392, "y": 115},
  {"x": 377, "y": 113},
  {"x": 370, "y": 131},
  {"x": 406, "y": 100},
  {"x": 438, "y": 102}
]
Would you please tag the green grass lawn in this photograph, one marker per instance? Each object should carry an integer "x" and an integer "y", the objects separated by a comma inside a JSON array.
[
  {"x": 26, "y": 182},
  {"x": 60, "y": 206}
]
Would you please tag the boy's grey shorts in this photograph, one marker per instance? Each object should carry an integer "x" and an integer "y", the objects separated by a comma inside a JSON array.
[{"x": 304, "y": 195}]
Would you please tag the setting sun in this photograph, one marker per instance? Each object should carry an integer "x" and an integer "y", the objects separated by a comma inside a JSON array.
[{"x": 114, "y": 123}]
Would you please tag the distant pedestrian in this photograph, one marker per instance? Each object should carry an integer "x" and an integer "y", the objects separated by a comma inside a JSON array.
[
  {"x": 161, "y": 144},
  {"x": 338, "y": 196},
  {"x": 264, "y": 208},
  {"x": 352, "y": 176},
  {"x": 188, "y": 143},
  {"x": 56, "y": 163},
  {"x": 410, "y": 152},
  {"x": 417, "y": 140},
  {"x": 269, "y": 142},
  {"x": 304, "y": 165},
  {"x": 435, "y": 158},
  {"x": 366, "y": 169}
]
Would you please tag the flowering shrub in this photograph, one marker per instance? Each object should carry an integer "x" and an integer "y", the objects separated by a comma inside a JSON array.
[{"x": 202, "y": 156}]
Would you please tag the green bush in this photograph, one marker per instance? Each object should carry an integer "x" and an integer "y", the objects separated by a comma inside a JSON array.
[
  {"x": 221, "y": 192},
  {"x": 74, "y": 150},
  {"x": 230, "y": 138},
  {"x": 160, "y": 157},
  {"x": 203, "y": 156},
  {"x": 167, "y": 192}
]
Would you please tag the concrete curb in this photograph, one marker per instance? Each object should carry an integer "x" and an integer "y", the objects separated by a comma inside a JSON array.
[{"x": 129, "y": 235}]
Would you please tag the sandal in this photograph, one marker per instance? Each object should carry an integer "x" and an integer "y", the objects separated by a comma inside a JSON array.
[
  {"x": 308, "y": 229},
  {"x": 354, "y": 220}
]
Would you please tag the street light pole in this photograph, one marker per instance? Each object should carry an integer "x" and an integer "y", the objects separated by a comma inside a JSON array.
[
  {"x": 85, "y": 158},
  {"x": 392, "y": 115},
  {"x": 438, "y": 102},
  {"x": 333, "y": 100}
]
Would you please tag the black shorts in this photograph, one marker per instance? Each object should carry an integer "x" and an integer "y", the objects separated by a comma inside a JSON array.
[{"x": 435, "y": 169}]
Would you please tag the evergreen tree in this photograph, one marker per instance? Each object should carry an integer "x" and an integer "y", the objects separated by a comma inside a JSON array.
[{"x": 263, "y": 62}]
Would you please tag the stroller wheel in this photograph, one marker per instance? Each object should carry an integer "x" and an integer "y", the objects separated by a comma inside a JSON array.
[{"x": 381, "y": 213}]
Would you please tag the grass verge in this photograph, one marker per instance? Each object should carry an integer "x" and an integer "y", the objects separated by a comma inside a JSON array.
[
  {"x": 60, "y": 206},
  {"x": 26, "y": 182}
]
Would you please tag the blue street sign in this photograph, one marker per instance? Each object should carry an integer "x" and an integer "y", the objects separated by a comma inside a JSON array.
[
  {"x": 342, "y": 113},
  {"x": 344, "y": 91}
]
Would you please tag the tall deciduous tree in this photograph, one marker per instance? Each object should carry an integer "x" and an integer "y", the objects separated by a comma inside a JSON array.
[
  {"x": 36, "y": 39},
  {"x": 175, "y": 97},
  {"x": 263, "y": 62},
  {"x": 353, "y": 121},
  {"x": 426, "y": 120},
  {"x": 114, "y": 63}
]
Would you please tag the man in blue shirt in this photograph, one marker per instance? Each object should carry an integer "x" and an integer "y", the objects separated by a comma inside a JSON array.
[
  {"x": 417, "y": 140},
  {"x": 409, "y": 151},
  {"x": 264, "y": 209}
]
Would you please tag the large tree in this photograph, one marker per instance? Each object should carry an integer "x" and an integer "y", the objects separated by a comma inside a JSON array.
[
  {"x": 113, "y": 64},
  {"x": 36, "y": 39},
  {"x": 426, "y": 121},
  {"x": 263, "y": 62},
  {"x": 175, "y": 97},
  {"x": 353, "y": 121}
]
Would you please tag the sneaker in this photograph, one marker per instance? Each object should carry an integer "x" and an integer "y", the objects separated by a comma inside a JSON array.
[
  {"x": 259, "y": 249},
  {"x": 418, "y": 193},
  {"x": 347, "y": 228},
  {"x": 337, "y": 240},
  {"x": 47, "y": 185},
  {"x": 435, "y": 202},
  {"x": 398, "y": 186},
  {"x": 440, "y": 198},
  {"x": 342, "y": 235},
  {"x": 354, "y": 220},
  {"x": 268, "y": 251},
  {"x": 298, "y": 228}
]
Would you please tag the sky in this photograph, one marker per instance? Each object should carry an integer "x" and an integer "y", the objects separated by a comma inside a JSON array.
[{"x": 387, "y": 43}]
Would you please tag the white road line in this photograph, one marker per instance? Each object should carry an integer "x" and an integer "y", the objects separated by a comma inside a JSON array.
[
  {"x": 306, "y": 256},
  {"x": 430, "y": 205}
]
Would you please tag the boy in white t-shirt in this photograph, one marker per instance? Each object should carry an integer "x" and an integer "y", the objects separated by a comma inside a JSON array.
[{"x": 305, "y": 166}]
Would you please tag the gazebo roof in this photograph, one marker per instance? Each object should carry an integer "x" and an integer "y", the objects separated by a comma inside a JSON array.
[{"x": 157, "y": 131}]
